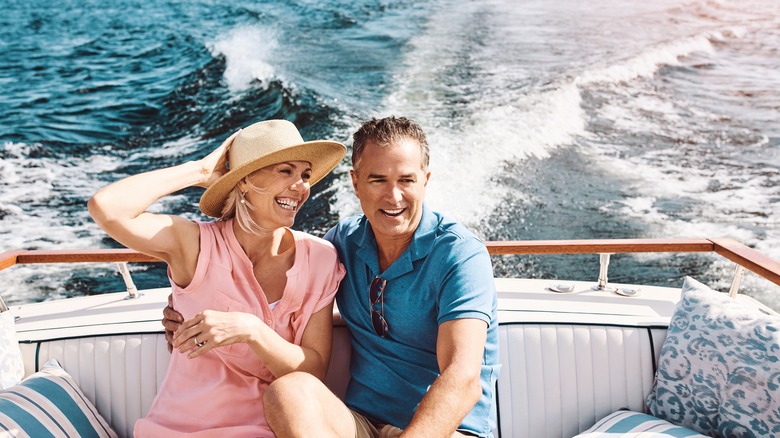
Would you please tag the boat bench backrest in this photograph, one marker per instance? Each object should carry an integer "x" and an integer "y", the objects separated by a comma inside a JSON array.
[
  {"x": 121, "y": 374},
  {"x": 556, "y": 379}
]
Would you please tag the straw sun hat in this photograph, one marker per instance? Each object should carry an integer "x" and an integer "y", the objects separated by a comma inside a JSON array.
[{"x": 263, "y": 144}]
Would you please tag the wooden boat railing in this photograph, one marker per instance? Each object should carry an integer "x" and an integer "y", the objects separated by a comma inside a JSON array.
[{"x": 743, "y": 256}]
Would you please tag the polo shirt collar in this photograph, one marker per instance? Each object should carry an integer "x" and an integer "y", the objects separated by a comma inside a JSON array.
[{"x": 420, "y": 246}]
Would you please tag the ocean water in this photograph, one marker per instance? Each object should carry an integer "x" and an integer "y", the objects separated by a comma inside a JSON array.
[{"x": 547, "y": 120}]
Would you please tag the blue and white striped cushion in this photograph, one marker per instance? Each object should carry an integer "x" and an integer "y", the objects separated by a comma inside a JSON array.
[
  {"x": 49, "y": 404},
  {"x": 635, "y": 424}
]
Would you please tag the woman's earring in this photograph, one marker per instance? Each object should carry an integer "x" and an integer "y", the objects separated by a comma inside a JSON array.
[{"x": 243, "y": 201}]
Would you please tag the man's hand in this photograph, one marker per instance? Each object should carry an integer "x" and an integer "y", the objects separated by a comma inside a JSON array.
[{"x": 171, "y": 321}]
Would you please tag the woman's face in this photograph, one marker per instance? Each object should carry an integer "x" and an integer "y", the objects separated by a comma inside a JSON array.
[{"x": 279, "y": 192}]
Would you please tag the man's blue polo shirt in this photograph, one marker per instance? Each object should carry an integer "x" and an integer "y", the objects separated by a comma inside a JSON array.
[{"x": 444, "y": 274}]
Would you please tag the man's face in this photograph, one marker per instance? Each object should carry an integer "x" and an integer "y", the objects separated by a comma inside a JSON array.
[{"x": 390, "y": 184}]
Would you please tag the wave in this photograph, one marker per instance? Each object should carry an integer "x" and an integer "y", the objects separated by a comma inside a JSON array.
[
  {"x": 248, "y": 52},
  {"x": 647, "y": 64}
]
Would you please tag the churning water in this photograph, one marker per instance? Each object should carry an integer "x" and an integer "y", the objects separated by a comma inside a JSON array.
[{"x": 547, "y": 120}]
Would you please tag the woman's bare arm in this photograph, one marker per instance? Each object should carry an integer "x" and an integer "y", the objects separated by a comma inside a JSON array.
[{"x": 120, "y": 210}]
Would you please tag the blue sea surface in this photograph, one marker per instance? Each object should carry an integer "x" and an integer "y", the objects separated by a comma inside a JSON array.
[{"x": 547, "y": 120}]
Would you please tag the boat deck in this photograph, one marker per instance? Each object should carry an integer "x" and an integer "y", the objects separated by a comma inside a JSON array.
[
  {"x": 568, "y": 358},
  {"x": 520, "y": 300}
]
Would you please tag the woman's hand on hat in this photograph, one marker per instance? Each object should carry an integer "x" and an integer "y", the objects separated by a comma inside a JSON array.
[{"x": 214, "y": 165}]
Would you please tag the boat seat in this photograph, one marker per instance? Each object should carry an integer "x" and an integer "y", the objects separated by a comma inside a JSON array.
[
  {"x": 547, "y": 385},
  {"x": 121, "y": 373},
  {"x": 557, "y": 380}
]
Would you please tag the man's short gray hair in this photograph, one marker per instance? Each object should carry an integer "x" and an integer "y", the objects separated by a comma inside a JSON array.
[{"x": 385, "y": 131}]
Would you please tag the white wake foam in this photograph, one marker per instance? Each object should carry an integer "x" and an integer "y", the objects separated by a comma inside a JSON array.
[
  {"x": 467, "y": 160},
  {"x": 492, "y": 121},
  {"x": 248, "y": 52},
  {"x": 29, "y": 184},
  {"x": 30, "y": 191},
  {"x": 647, "y": 63}
]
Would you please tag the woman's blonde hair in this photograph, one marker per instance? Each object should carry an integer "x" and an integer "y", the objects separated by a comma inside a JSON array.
[{"x": 237, "y": 206}]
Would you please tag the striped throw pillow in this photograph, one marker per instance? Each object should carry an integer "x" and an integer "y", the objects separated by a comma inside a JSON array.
[
  {"x": 629, "y": 424},
  {"x": 49, "y": 404}
]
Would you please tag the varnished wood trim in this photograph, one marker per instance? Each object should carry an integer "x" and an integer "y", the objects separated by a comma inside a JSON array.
[
  {"x": 8, "y": 259},
  {"x": 730, "y": 249},
  {"x": 83, "y": 256},
  {"x": 612, "y": 246},
  {"x": 749, "y": 258}
]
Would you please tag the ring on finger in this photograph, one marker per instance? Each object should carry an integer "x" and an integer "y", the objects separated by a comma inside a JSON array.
[{"x": 197, "y": 344}]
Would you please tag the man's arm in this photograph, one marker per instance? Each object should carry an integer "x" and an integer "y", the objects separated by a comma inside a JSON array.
[{"x": 459, "y": 350}]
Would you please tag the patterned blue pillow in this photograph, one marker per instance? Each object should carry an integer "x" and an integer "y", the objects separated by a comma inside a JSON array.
[
  {"x": 49, "y": 403},
  {"x": 637, "y": 424},
  {"x": 719, "y": 370}
]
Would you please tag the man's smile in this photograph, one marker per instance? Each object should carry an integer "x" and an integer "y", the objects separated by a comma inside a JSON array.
[{"x": 392, "y": 213}]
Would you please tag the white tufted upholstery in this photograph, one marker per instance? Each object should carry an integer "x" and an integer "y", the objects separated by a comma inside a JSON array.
[
  {"x": 557, "y": 379},
  {"x": 121, "y": 374}
]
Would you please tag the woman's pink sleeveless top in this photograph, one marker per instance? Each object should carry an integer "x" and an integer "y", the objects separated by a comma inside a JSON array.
[{"x": 220, "y": 394}]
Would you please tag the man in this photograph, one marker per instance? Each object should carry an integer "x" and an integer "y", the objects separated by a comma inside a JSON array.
[{"x": 420, "y": 304}]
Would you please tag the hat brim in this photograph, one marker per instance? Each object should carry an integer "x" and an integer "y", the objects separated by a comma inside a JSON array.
[{"x": 323, "y": 155}]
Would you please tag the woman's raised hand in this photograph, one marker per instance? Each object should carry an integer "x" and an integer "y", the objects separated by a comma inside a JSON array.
[{"x": 214, "y": 165}]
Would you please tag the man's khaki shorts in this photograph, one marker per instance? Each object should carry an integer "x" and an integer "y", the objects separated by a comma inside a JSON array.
[{"x": 365, "y": 428}]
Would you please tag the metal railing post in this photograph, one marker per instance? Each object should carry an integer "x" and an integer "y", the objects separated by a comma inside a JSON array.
[
  {"x": 738, "y": 274},
  {"x": 603, "y": 269},
  {"x": 132, "y": 291}
]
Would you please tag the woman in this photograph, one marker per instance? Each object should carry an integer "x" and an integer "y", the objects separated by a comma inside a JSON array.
[{"x": 244, "y": 284}]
